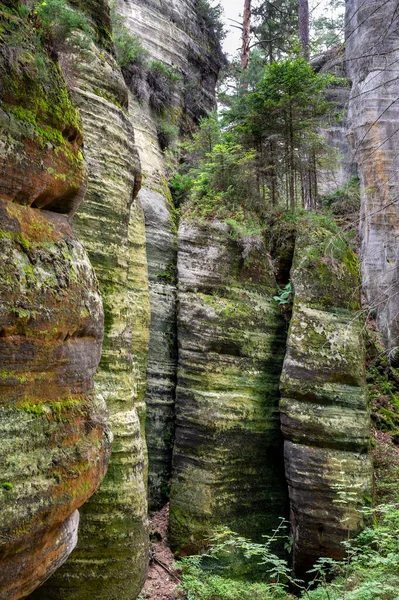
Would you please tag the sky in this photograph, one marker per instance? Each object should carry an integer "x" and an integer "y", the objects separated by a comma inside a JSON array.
[{"x": 233, "y": 9}]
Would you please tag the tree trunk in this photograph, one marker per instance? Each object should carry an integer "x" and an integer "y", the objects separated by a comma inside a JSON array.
[
  {"x": 303, "y": 12},
  {"x": 246, "y": 35}
]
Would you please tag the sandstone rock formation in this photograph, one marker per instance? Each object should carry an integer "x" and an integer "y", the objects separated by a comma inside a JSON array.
[
  {"x": 372, "y": 56},
  {"x": 339, "y": 173},
  {"x": 324, "y": 406},
  {"x": 227, "y": 463},
  {"x": 54, "y": 444},
  {"x": 112, "y": 546},
  {"x": 161, "y": 246},
  {"x": 175, "y": 34}
]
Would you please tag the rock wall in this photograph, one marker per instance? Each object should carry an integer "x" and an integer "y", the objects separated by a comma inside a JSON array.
[
  {"x": 54, "y": 443},
  {"x": 227, "y": 462},
  {"x": 112, "y": 546},
  {"x": 324, "y": 405},
  {"x": 174, "y": 34},
  {"x": 161, "y": 244},
  {"x": 372, "y": 56},
  {"x": 177, "y": 35},
  {"x": 343, "y": 168}
]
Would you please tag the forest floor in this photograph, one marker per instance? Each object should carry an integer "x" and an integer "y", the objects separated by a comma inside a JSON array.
[{"x": 163, "y": 578}]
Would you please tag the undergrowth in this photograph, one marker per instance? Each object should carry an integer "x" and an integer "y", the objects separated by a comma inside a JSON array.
[{"x": 369, "y": 572}]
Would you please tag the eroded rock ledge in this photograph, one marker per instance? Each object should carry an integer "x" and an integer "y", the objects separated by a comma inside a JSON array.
[{"x": 113, "y": 538}]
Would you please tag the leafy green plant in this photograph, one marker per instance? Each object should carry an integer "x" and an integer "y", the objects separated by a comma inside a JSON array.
[
  {"x": 369, "y": 572},
  {"x": 167, "y": 133},
  {"x": 59, "y": 21},
  {"x": 211, "y": 18},
  {"x": 284, "y": 294}
]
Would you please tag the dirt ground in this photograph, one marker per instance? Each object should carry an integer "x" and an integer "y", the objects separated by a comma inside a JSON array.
[{"x": 163, "y": 579}]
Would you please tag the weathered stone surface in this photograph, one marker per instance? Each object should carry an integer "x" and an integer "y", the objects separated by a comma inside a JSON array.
[
  {"x": 227, "y": 463},
  {"x": 174, "y": 33},
  {"x": 54, "y": 443},
  {"x": 41, "y": 132},
  {"x": 110, "y": 560},
  {"x": 372, "y": 55},
  {"x": 339, "y": 173},
  {"x": 161, "y": 244},
  {"x": 324, "y": 405}
]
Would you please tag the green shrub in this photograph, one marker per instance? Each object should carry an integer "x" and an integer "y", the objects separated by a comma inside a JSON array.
[
  {"x": 345, "y": 200},
  {"x": 167, "y": 133},
  {"x": 180, "y": 186},
  {"x": 211, "y": 18},
  {"x": 162, "y": 81},
  {"x": 128, "y": 47},
  {"x": 59, "y": 21},
  {"x": 370, "y": 571}
]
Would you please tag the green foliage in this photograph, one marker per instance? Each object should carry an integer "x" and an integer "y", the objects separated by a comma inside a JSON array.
[
  {"x": 278, "y": 117},
  {"x": 32, "y": 88},
  {"x": 329, "y": 27},
  {"x": 7, "y": 486},
  {"x": 206, "y": 577},
  {"x": 276, "y": 24},
  {"x": 162, "y": 81},
  {"x": 369, "y": 572},
  {"x": 345, "y": 200},
  {"x": 128, "y": 47},
  {"x": 167, "y": 133},
  {"x": 180, "y": 186},
  {"x": 59, "y": 21},
  {"x": 284, "y": 295},
  {"x": 211, "y": 18},
  {"x": 225, "y": 183}
]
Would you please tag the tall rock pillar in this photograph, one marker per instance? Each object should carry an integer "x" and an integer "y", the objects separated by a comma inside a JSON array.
[{"x": 373, "y": 66}]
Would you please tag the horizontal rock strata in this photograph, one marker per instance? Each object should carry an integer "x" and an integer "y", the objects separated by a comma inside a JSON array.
[
  {"x": 227, "y": 463},
  {"x": 161, "y": 247},
  {"x": 110, "y": 560},
  {"x": 324, "y": 405},
  {"x": 54, "y": 443}
]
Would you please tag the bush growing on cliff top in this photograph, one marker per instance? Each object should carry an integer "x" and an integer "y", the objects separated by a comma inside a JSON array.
[{"x": 59, "y": 21}]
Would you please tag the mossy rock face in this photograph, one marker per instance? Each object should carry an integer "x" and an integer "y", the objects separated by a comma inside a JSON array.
[
  {"x": 227, "y": 463},
  {"x": 112, "y": 547},
  {"x": 40, "y": 128},
  {"x": 324, "y": 405},
  {"x": 54, "y": 445}
]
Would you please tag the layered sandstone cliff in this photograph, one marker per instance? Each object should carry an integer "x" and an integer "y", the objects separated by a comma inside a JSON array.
[
  {"x": 227, "y": 462},
  {"x": 54, "y": 444},
  {"x": 324, "y": 406},
  {"x": 112, "y": 546},
  {"x": 372, "y": 57},
  {"x": 176, "y": 35}
]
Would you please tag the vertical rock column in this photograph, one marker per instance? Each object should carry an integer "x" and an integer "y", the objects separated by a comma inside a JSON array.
[
  {"x": 324, "y": 405},
  {"x": 372, "y": 57},
  {"x": 54, "y": 443},
  {"x": 227, "y": 463},
  {"x": 161, "y": 245},
  {"x": 110, "y": 561},
  {"x": 174, "y": 34}
]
